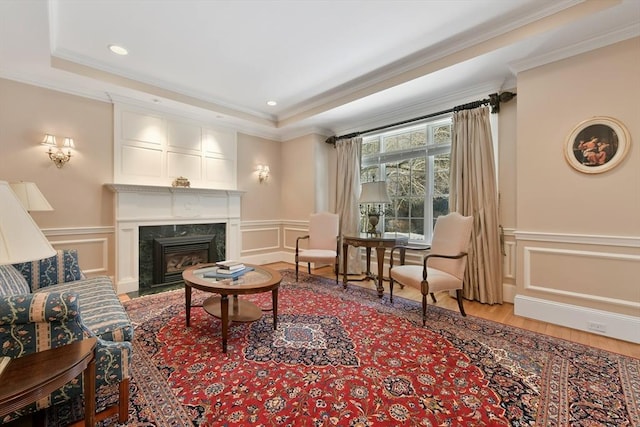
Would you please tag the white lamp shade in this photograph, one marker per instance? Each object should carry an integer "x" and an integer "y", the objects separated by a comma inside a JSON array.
[
  {"x": 20, "y": 238},
  {"x": 30, "y": 196},
  {"x": 374, "y": 192}
]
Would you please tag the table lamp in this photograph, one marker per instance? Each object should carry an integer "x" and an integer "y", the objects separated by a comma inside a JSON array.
[
  {"x": 374, "y": 193},
  {"x": 20, "y": 238},
  {"x": 30, "y": 196}
]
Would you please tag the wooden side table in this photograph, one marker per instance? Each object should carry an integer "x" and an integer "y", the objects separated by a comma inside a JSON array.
[
  {"x": 36, "y": 375},
  {"x": 380, "y": 243}
]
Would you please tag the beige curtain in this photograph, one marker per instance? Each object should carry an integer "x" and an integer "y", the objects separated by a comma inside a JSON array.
[
  {"x": 347, "y": 194},
  {"x": 474, "y": 192}
]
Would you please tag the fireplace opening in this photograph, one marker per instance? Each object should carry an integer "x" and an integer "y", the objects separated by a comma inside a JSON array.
[
  {"x": 173, "y": 255},
  {"x": 166, "y": 250}
]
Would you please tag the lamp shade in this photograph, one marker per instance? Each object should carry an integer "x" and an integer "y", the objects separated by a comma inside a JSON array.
[
  {"x": 374, "y": 192},
  {"x": 20, "y": 238},
  {"x": 30, "y": 196}
]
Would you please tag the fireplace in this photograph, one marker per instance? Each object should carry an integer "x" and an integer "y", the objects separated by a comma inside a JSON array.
[
  {"x": 173, "y": 255},
  {"x": 146, "y": 212},
  {"x": 165, "y": 251}
]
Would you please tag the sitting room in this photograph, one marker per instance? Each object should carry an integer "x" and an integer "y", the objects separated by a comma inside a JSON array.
[{"x": 319, "y": 213}]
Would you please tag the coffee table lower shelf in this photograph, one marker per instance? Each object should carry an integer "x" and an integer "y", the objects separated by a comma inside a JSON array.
[{"x": 240, "y": 310}]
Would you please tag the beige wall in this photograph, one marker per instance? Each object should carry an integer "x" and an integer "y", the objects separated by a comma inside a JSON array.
[
  {"x": 577, "y": 234},
  {"x": 262, "y": 199},
  {"x": 76, "y": 190},
  {"x": 83, "y": 213}
]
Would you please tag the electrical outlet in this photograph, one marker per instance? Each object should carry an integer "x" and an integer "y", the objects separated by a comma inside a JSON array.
[{"x": 597, "y": 327}]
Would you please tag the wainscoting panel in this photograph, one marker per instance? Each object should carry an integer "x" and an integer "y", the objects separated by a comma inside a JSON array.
[
  {"x": 584, "y": 282},
  {"x": 94, "y": 246},
  {"x": 260, "y": 240},
  {"x": 582, "y": 274}
]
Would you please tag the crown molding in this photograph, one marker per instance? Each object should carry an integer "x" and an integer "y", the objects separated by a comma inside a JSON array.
[{"x": 584, "y": 46}]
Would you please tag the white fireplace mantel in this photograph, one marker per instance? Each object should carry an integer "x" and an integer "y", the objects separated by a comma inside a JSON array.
[{"x": 145, "y": 205}]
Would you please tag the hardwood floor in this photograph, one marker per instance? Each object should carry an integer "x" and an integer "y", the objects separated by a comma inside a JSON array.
[{"x": 502, "y": 313}]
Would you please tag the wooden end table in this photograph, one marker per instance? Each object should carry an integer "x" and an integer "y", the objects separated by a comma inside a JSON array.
[
  {"x": 260, "y": 279},
  {"x": 31, "y": 377},
  {"x": 380, "y": 243}
]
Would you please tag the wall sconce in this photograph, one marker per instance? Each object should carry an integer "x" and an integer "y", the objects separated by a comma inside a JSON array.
[
  {"x": 58, "y": 156},
  {"x": 263, "y": 173}
]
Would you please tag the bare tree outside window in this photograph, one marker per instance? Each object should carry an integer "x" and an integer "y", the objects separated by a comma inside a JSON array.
[{"x": 414, "y": 161}]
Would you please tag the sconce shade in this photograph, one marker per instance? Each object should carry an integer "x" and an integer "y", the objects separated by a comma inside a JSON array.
[
  {"x": 30, "y": 196},
  {"x": 374, "y": 192},
  {"x": 68, "y": 143},
  {"x": 20, "y": 238},
  {"x": 49, "y": 140}
]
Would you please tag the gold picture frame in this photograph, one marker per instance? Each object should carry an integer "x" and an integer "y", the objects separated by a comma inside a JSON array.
[{"x": 597, "y": 145}]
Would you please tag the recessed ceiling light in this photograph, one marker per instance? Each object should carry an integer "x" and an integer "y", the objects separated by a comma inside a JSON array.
[
  {"x": 272, "y": 103},
  {"x": 118, "y": 50}
]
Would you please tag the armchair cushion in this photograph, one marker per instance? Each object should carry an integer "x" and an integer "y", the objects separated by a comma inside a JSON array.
[
  {"x": 411, "y": 275},
  {"x": 60, "y": 268},
  {"x": 12, "y": 282}
]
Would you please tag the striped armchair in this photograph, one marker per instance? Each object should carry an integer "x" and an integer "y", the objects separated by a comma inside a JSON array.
[{"x": 38, "y": 313}]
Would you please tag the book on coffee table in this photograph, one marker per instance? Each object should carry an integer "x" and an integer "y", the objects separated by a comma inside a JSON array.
[{"x": 218, "y": 274}]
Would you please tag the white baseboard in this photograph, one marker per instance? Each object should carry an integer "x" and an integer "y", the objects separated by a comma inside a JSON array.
[{"x": 598, "y": 322}]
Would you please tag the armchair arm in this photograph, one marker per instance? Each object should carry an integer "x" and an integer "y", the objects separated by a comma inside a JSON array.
[
  {"x": 424, "y": 270},
  {"x": 298, "y": 241},
  {"x": 420, "y": 248},
  {"x": 33, "y": 322}
]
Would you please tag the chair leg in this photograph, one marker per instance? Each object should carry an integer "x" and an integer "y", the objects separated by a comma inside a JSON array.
[
  {"x": 424, "y": 309},
  {"x": 390, "y": 290},
  {"x": 296, "y": 270},
  {"x": 459, "y": 298},
  {"x": 433, "y": 298},
  {"x": 309, "y": 267}
]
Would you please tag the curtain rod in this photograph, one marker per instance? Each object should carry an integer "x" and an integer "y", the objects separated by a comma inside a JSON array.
[{"x": 494, "y": 101}]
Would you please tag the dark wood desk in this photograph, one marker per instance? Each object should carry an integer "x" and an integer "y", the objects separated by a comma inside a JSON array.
[
  {"x": 380, "y": 243},
  {"x": 29, "y": 378}
]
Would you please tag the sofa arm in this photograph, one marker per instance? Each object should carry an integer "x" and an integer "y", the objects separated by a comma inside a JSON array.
[
  {"x": 34, "y": 322},
  {"x": 112, "y": 361}
]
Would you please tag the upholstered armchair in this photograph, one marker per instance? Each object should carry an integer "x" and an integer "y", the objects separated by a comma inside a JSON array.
[
  {"x": 443, "y": 267},
  {"x": 324, "y": 242},
  {"x": 39, "y": 314}
]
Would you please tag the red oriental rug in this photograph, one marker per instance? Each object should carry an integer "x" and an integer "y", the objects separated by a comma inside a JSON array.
[{"x": 347, "y": 358}]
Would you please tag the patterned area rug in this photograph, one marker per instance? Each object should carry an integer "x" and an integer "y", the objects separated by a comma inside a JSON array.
[{"x": 348, "y": 358}]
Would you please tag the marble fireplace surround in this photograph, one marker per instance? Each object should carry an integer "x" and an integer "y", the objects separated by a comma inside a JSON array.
[{"x": 145, "y": 205}]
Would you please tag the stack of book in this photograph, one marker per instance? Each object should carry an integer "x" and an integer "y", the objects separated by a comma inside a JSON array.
[{"x": 229, "y": 267}]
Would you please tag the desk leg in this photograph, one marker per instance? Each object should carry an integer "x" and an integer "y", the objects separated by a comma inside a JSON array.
[
  {"x": 380, "y": 255},
  {"x": 90, "y": 393},
  {"x": 368, "y": 261},
  {"x": 345, "y": 259},
  {"x": 224, "y": 315}
]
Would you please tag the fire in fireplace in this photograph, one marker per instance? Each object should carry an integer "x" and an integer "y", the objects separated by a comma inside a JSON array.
[{"x": 172, "y": 255}]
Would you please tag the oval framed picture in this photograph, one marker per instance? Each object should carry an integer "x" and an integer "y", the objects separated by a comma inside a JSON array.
[{"x": 597, "y": 145}]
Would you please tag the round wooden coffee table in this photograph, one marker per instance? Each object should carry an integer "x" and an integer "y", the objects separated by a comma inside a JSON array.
[{"x": 259, "y": 279}]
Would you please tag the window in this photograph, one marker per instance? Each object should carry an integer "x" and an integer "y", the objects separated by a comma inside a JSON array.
[{"x": 414, "y": 161}]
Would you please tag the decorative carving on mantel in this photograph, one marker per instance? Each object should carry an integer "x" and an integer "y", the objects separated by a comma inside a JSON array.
[{"x": 136, "y": 188}]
